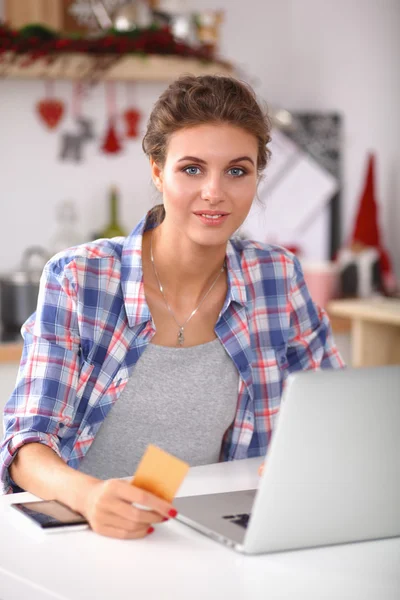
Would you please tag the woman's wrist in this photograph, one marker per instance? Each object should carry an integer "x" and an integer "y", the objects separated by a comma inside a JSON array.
[{"x": 76, "y": 490}]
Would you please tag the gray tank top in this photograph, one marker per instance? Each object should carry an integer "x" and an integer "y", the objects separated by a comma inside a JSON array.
[{"x": 180, "y": 399}]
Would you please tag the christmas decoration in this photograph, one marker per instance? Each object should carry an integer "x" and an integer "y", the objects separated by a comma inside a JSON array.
[
  {"x": 38, "y": 42},
  {"x": 111, "y": 143},
  {"x": 359, "y": 273},
  {"x": 365, "y": 265},
  {"x": 366, "y": 232},
  {"x": 131, "y": 116},
  {"x": 50, "y": 110},
  {"x": 72, "y": 142}
]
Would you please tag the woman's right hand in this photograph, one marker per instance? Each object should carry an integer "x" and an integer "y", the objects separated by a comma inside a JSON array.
[{"x": 109, "y": 509}]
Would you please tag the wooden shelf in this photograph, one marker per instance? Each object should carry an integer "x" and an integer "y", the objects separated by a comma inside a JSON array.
[{"x": 76, "y": 66}]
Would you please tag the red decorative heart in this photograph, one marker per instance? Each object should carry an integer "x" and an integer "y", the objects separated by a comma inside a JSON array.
[{"x": 50, "y": 112}]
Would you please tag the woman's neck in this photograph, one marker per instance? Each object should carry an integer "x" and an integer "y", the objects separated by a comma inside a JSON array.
[{"x": 183, "y": 265}]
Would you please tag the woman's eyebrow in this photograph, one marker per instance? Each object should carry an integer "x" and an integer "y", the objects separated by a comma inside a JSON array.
[
  {"x": 242, "y": 158},
  {"x": 200, "y": 160}
]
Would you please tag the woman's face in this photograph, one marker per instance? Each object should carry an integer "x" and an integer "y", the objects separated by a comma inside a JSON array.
[{"x": 208, "y": 181}]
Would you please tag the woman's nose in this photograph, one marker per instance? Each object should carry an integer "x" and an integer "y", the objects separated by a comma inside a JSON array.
[{"x": 213, "y": 190}]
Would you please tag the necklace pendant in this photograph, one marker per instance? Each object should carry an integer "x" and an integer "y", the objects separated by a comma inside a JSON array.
[{"x": 181, "y": 337}]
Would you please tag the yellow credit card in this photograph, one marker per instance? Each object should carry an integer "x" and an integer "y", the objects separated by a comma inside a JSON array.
[{"x": 160, "y": 473}]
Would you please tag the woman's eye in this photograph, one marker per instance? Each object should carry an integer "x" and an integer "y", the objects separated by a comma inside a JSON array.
[
  {"x": 191, "y": 170},
  {"x": 234, "y": 171},
  {"x": 237, "y": 171}
]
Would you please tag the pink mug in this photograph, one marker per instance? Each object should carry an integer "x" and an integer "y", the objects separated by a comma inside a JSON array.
[{"x": 322, "y": 280}]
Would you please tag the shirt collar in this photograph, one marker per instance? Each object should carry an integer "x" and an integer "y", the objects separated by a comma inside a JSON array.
[
  {"x": 137, "y": 310},
  {"x": 237, "y": 287},
  {"x": 136, "y": 307}
]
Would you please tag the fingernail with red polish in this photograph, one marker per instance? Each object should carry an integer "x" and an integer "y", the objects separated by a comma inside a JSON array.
[
  {"x": 150, "y": 530},
  {"x": 165, "y": 519},
  {"x": 172, "y": 513}
]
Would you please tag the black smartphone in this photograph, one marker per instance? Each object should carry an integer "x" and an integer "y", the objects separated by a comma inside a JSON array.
[{"x": 51, "y": 516}]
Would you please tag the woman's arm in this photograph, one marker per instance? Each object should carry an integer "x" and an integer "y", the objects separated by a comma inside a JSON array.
[
  {"x": 43, "y": 405},
  {"x": 54, "y": 480},
  {"x": 41, "y": 411},
  {"x": 107, "y": 505}
]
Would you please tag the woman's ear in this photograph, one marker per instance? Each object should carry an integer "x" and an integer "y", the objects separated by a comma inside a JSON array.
[{"x": 156, "y": 175}]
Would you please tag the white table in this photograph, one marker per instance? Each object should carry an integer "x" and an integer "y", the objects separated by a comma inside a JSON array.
[{"x": 178, "y": 563}]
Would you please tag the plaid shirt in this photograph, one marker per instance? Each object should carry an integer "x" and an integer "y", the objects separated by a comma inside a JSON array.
[{"x": 92, "y": 324}]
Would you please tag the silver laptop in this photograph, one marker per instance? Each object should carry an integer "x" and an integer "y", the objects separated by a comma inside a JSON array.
[{"x": 332, "y": 472}]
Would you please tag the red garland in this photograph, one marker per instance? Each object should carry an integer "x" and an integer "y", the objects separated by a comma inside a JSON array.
[{"x": 147, "y": 41}]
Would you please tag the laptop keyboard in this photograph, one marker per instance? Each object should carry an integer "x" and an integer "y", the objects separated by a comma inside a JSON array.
[{"x": 241, "y": 519}]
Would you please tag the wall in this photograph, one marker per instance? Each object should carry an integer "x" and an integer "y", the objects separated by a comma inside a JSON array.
[
  {"x": 339, "y": 55},
  {"x": 332, "y": 55},
  {"x": 34, "y": 180}
]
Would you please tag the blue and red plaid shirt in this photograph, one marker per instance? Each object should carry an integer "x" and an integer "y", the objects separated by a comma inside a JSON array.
[{"x": 92, "y": 324}]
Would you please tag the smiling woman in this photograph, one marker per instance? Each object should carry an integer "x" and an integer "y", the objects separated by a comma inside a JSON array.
[
  {"x": 206, "y": 197},
  {"x": 179, "y": 335}
]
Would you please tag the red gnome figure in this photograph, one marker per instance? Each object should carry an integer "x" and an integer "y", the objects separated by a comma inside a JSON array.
[
  {"x": 365, "y": 265},
  {"x": 366, "y": 232}
]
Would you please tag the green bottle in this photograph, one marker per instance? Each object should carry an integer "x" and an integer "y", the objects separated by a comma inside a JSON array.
[{"x": 113, "y": 228}]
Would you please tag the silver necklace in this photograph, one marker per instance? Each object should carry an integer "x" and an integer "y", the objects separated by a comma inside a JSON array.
[{"x": 181, "y": 337}]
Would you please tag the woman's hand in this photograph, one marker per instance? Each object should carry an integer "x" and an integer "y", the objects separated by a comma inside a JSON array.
[
  {"x": 261, "y": 469},
  {"x": 108, "y": 508}
]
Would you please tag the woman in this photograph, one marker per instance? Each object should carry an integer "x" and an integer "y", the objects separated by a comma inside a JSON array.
[{"x": 185, "y": 332}]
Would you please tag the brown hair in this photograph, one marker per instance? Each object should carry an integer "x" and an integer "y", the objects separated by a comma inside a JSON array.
[{"x": 190, "y": 101}]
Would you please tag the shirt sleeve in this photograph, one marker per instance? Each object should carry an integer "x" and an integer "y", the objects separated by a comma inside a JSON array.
[
  {"x": 42, "y": 405},
  {"x": 310, "y": 342}
]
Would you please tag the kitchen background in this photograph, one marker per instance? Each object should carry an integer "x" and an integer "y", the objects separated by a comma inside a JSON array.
[{"x": 331, "y": 57}]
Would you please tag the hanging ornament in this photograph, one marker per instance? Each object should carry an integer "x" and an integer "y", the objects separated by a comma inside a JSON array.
[
  {"x": 111, "y": 143},
  {"x": 72, "y": 142},
  {"x": 131, "y": 115},
  {"x": 50, "y": 110},
  {"x": 131, "y": 118}
]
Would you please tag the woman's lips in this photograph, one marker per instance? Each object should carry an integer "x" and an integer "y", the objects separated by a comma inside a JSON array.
[{"x": 212, "y": 219}]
